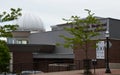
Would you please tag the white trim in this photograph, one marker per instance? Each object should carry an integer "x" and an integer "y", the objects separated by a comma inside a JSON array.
[{"x": 11, "y": 62}]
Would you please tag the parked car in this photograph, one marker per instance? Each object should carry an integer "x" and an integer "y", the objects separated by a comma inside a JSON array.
[
  {"x": 30, "y": 72},
  {"x": 7, "y": 74}
]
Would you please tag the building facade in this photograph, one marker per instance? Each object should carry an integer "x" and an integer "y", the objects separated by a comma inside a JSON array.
[
  {"x": 108, "y": 24},
  {"x": 38, "y": 51}
]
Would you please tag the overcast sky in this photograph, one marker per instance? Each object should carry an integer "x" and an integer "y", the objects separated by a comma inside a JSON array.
[{"x": 52, "y": 11}]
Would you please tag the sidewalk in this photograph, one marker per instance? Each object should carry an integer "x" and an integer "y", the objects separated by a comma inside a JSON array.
[{"x": 80, "y": 72}]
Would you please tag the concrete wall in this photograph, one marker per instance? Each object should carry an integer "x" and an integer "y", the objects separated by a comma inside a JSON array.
[{"x": 114, "y": 27}]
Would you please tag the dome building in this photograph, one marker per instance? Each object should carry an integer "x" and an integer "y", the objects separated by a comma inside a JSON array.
[
  {"x": 30, "y": 22},
  {"x": 34, "y": 49}
]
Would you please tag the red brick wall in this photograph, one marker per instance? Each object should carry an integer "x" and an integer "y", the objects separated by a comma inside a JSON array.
[
  {"x": 80, "y": 52},
  {"x": 22, "y": 61},
  {"x": 43, "y": 64},
  {"x": 114, "y": 51},
  {"x": 114, "y": 54}
]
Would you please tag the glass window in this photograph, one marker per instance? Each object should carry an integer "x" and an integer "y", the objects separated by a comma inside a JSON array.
[{"x": 22, "y": 42}]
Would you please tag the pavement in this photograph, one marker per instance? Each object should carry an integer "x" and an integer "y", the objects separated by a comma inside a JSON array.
[{"x": 80, "y": 72}]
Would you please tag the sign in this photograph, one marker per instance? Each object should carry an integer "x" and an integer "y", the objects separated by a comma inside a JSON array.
[
  {"x": 100, "y": 50},
  {"x": 110, "y": 44}
]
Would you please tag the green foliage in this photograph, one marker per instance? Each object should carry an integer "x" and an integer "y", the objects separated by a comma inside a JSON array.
[
  {"x": 5, "y": 31},
  {"x": 4, "y": 56},
  {"x": 81, "y": 30},
  {"x": 10, "y": 16}
]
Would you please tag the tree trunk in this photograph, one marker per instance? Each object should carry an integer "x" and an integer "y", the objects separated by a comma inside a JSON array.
[{"x": 87, "y": 66}]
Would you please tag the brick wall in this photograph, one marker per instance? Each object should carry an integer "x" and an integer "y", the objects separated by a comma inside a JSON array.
[
  {"x": 22, "y": 61},
  {"x": 114, "y": 51},
  {"x": 114, "y": 55}
]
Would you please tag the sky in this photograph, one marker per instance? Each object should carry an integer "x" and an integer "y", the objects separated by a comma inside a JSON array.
[{"x": 51, "y": 12}]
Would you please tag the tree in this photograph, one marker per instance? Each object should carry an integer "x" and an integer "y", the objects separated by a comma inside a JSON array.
[
  {"x": 82, "y": 32},
  {"x": 5, "y": 31},
  {"x": 4, "y": 57}
]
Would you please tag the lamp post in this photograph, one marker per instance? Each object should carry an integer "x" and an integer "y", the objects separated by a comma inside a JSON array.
[{"x": 107, "y": 49}]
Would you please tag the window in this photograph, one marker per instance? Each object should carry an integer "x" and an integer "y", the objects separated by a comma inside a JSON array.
[{"x": 22, "y": 42}]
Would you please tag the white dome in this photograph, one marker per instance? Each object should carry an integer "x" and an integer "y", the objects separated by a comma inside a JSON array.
[{"x": 30, "y": 22}]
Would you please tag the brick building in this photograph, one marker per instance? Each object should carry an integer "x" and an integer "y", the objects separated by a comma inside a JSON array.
[
  {"x": 34, "y": 49},
  {"x": 111, "y": 25},
  {"x": 38, "y": 50}
]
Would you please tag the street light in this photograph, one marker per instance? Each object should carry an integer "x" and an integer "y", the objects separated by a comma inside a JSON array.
[{"x": 107, "y": 49}]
